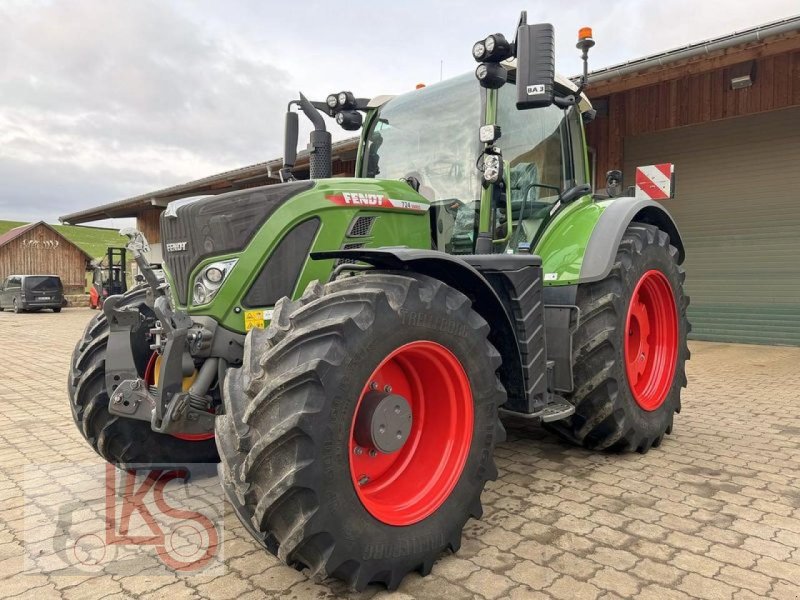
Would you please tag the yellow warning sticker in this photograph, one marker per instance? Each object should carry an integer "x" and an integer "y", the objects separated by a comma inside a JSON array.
[
  {"x": 256, "y": 318},
  {"x": 253, "y": 318}
]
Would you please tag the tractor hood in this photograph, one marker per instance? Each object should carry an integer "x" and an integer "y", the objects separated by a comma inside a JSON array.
[{"x": 217, "y": 225}]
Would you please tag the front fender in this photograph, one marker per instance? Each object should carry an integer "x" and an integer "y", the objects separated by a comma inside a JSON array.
[{"x": 458, "y": 273}]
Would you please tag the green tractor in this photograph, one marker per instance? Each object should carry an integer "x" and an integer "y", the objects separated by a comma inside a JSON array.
[{"x": 346, "y": 347}]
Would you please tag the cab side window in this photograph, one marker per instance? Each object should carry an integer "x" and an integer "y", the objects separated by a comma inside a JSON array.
[{"x": 536, "y": 145}]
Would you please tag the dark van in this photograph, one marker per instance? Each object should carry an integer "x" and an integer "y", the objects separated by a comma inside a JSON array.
[{"x": 31, "y": 292}]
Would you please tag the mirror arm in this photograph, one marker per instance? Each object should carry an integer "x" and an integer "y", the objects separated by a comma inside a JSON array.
[
  {"x": 565, "y": 101},
  {"x": 575, "y": 192}
]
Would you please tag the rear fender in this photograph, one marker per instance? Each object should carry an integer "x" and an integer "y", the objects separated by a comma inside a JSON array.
[
  {"x": 580, "y": 244},
  {"x": 458, "y": 274},
  {"x": 601, "y": 249}
]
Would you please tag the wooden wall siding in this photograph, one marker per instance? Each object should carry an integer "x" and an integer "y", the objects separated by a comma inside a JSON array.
[
  {"x": 693, "y": 99},
  {"x": 147, "y": 221},
  {"x": 42, "y": 252}
]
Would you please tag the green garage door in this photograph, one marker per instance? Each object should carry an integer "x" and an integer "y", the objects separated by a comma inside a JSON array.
[{"x": 738, "y": 209}]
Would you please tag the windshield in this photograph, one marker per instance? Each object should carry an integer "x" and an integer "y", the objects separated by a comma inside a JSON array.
[
  {"x": 42, "y": 284},
  {"x": 431, "y": 134}
]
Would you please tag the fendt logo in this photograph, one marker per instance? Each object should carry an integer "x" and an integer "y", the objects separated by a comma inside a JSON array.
[
  {"x": 375, "y": 201},
  {"x": 176, "y": 246}
]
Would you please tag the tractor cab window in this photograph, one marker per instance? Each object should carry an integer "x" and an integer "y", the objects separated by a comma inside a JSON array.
[
  {"x": 538, "y": 147},
  {"x": 430, "y": 135}
]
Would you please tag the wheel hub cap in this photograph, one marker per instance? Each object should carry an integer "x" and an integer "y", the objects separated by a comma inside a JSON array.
[{"x": 383, "y": 421}]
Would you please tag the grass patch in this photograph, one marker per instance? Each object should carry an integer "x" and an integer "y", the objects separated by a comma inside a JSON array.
[{"x": 92, "y": 240}]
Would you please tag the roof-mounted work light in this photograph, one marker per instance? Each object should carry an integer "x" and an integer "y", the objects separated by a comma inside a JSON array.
[{"x": 494, "y": 48}]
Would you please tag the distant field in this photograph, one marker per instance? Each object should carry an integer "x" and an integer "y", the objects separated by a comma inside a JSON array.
[{"x": 93, "y": 240}]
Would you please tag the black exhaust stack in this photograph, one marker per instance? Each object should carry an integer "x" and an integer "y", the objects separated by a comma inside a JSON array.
[{"x": 319, "y": 147}]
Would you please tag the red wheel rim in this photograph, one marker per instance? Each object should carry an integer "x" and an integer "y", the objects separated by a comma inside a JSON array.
[
  {"x": 408, "y": 485},
  {"x": 150, "y": 379},
  {"x": 651, "y": 340}
]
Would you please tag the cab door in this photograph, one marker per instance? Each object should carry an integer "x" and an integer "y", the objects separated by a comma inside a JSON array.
[{"x": 3, "y": 292}]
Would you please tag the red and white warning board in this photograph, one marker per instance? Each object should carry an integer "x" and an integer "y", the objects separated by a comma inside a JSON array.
[{"x": 655, "y": 182}]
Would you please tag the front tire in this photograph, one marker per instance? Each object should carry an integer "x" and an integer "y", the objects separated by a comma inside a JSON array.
[
  {"x": 293, "y": 461},
  {"x": 120, "y": 440},
  {"x": 630, "y": 350}
]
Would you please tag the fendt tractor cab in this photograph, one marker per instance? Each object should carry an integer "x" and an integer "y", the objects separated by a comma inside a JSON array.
[{"x": 346, "y": 346}]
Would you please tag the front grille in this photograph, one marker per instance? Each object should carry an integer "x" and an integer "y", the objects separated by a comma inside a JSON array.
[{"x": 217, "y": 225}]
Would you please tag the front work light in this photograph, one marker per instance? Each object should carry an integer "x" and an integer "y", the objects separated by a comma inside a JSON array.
[
  {"x": 479, "y": 51},
  {"x": 349, "y": 120},
  {"x": 332, "y": 101},
  {"x": 491, "y": 75},
  {"x": 494, "y": 48},
  {"x": 488, "y": 134},
  {"x": 346, "y": 100},
  {"x": 497, "y": 48},
  {"x": 209, "y": 280},
  {"x": 492, "y": 168}
]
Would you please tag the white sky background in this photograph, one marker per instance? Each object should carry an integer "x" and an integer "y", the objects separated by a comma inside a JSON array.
[{"x": 104, "y": 99}]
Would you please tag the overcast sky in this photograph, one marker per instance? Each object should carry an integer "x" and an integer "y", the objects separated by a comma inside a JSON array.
[{"x": 101, "y": 100}]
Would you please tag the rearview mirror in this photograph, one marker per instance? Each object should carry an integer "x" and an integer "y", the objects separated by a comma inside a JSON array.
[{"x": 536, "y": 65}]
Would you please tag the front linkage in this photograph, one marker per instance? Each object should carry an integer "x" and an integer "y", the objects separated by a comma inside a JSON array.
[{"x": 171, "y": 406}]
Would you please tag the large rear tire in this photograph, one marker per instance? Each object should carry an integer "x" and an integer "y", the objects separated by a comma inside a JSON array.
[
  {"x": 119, "y": 440},
  {"x": 294, "y": 462},
  {"x": 629, "y": 351}
]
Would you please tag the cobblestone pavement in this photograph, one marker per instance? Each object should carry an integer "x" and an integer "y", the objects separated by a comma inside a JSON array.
[{"x": 713, "y": 513}]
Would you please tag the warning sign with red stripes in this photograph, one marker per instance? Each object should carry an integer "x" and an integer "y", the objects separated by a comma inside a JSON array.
[
  {"x": 375, "y": 201},
  {"x": 655, "y": 182}
]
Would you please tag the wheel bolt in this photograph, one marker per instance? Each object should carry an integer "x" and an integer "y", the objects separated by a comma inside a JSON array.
[
  {"x": 373, "y": 453},
  {"x": 363, "y": 480},
  {"x": 358, "y": 451},
  {"x": 373, "y": 385},
  {"x": 387, "y": 389}
]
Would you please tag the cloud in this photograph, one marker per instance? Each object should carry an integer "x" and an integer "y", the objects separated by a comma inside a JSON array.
[
  {"x": 136, "y": 87},
  {"x": 104, "y": 100}
]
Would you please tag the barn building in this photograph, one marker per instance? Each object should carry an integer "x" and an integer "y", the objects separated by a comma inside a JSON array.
[
  {"x": 726, "y": 111},
  {"x": 38, "y": 249}
]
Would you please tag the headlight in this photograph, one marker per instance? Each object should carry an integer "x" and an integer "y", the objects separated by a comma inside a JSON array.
[
  {"x": 489, "y": 43},
  {"x": 209, "y": 280},
  {"x": 214, "y": 275},
  {"x": 331, "y": 101}
]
